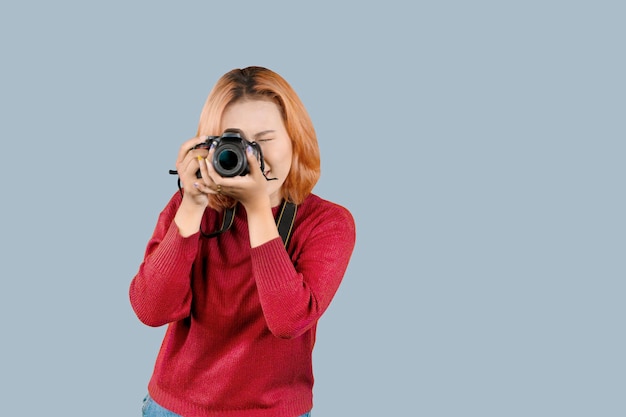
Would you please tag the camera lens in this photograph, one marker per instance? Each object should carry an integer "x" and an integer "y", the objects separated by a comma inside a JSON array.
[
  {"x": 230, "y": 157},
  {"x": 228, "y": 160}
]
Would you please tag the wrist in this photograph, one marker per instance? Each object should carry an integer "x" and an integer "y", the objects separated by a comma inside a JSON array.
[
  {"x": 258, "y": 206},
  {"x": 188, "y": 217},
  {"x": 261, "y": 223}
]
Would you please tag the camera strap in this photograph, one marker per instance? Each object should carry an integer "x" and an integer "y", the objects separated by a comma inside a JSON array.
[
  {"x": 284, "y": 221},
  {"x": 227, "y": 221}
]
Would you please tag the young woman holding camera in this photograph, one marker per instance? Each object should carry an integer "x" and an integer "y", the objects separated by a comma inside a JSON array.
[{"x": 242, "y": 304}]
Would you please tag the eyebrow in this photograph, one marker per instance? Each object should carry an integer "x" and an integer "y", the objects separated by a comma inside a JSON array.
[{"x": 258, "y": 135}]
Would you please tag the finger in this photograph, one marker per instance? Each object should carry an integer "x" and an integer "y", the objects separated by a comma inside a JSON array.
[
  {"x": 253, "y": 163},
  {"x": 206, "y": 189},
  {"x": 203, "y": 166},
  {"x": 211, "y": 188},
  {"x": 189, "y": 166},
  {"x": 212, "y": 173},
  {"x": 188, "y": 145},
  {"x": 190, "y": 163}
]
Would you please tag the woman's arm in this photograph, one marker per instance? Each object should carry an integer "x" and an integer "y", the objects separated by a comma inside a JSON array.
[
  {"x": 160, "y": 293},
  {"x": 293, "y": 298}
]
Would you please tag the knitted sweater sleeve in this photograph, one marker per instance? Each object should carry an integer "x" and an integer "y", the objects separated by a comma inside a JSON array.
[
  {"x": 160, "y": 292},
  {"x": 295, "y": 294}
]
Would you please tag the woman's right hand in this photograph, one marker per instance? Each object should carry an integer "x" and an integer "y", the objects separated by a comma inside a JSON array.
[
  {"x": 187, "y": 164},
  {"x": 194, "y": 201}
]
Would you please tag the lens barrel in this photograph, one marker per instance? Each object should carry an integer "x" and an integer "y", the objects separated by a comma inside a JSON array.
[{"x": 229, "y": 158}]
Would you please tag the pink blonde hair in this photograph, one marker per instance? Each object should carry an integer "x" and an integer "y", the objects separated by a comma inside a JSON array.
[{"x": 258, "y": 83}]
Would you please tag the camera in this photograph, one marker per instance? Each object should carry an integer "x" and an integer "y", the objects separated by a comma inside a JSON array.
[{"x": 229, "y": 158}]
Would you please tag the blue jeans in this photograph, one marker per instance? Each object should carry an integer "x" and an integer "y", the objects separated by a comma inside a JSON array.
[{"x": 152, "y": 409}]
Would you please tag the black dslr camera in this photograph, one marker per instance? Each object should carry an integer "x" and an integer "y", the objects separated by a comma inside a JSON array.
[{"x": 229, "y": 158}]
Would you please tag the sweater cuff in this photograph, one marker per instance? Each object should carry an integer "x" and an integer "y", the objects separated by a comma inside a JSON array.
[{"x": 272, "y": 266}]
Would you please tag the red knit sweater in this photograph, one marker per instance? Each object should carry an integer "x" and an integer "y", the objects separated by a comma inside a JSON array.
[{"x": 241, "y": 321}]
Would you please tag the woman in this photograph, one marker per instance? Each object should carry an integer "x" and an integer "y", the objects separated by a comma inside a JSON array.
[{"x": 241, "y": 306}]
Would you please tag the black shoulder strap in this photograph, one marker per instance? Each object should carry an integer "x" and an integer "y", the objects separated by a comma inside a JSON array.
[
  {"x": 227, "y": 221},
  {"x": 284, "y": 221}
]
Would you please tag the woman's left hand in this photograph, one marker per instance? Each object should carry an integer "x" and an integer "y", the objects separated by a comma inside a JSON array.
[{"x": 250, "y": 190}]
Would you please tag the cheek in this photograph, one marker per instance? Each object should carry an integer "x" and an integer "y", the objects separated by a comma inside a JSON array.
[
  {"x": 287, "y": 154},
  {"x": 285, "y": 160},
  {"x": 278, "y": 157}
]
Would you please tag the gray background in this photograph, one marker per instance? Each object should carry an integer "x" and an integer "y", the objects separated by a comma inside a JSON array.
[{"x": 479, "y": 145}]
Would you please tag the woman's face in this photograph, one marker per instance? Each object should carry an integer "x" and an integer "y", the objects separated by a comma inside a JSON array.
[{"x": 261, "y": 122}]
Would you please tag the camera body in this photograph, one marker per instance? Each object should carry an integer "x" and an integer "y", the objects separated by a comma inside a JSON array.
[{"x": 229, "y": 158}]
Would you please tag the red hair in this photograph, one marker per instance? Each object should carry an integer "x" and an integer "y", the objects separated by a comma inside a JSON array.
[{"x": 258, "y": 83}]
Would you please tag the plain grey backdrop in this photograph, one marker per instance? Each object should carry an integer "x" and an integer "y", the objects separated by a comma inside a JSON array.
[{"x": 479, "y": 145}]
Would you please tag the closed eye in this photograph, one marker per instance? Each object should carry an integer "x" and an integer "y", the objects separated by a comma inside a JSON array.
[{"x": 263, "y": 136}]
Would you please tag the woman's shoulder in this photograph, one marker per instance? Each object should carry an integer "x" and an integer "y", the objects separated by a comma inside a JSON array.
[
  {"x": 324, "y": 223},
  {"x": 315, "y": 207}
]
